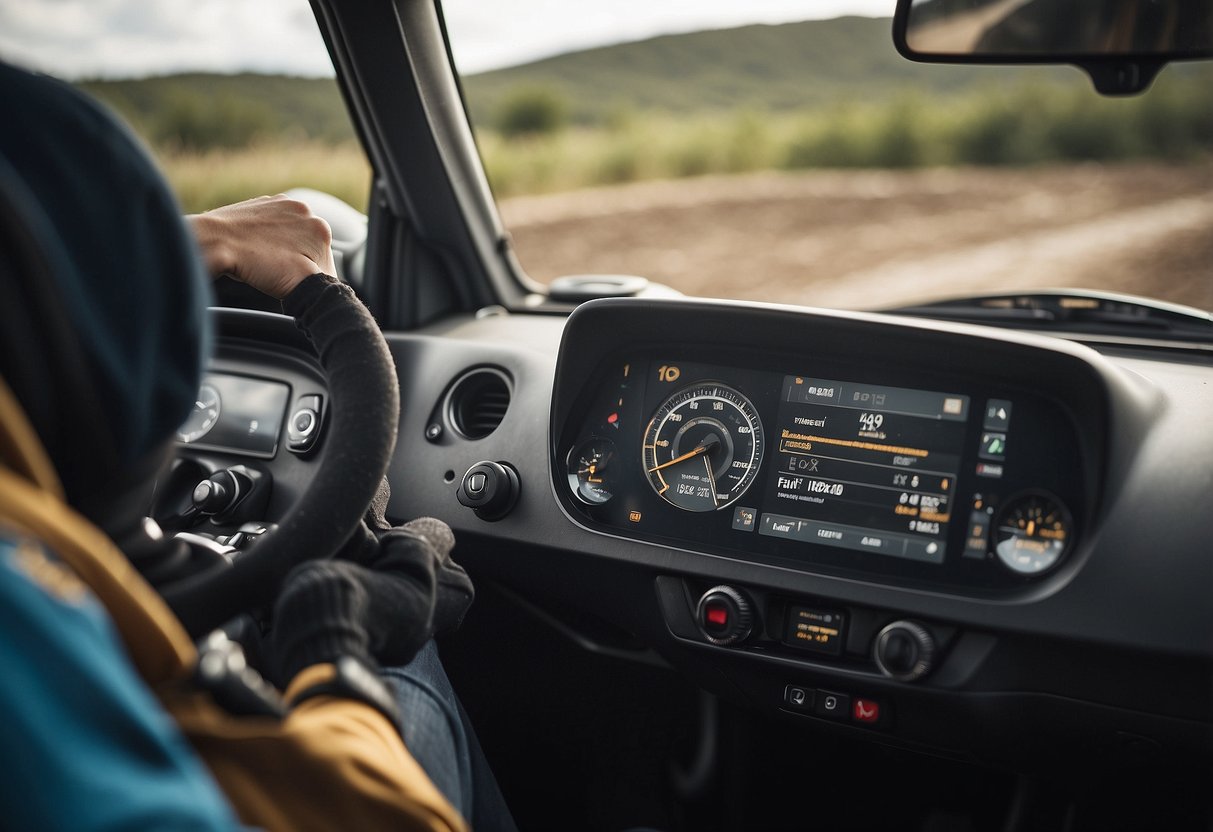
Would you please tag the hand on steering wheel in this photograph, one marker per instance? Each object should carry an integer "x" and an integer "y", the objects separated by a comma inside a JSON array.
[
  {"x": 364, "y": 397},
  {"x": 271, "y": 243}
]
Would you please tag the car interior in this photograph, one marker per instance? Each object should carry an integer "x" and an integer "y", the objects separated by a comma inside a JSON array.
[{"x": 744, "y": 565}]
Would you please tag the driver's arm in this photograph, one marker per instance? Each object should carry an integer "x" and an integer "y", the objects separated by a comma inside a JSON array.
[{"x": 276, "y": 245}]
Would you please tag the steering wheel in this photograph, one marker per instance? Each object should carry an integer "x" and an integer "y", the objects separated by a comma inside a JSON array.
[{"x": 364, "y": 408}]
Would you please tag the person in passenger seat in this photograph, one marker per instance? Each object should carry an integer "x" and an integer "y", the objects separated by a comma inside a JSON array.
[{"x": 108, "y": 721}]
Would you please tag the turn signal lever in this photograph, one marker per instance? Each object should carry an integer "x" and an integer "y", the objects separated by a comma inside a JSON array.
[
  {"x": 220, "y": 495},
  {"x": 197, "y": 490}
]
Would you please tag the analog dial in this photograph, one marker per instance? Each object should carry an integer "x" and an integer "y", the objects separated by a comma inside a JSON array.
[
  {"x": 703, "y": 447},
  {"x": 1032, "y": 533},
  {"x": 204, "y": 415},
  {"x": 591, "y": 470}
]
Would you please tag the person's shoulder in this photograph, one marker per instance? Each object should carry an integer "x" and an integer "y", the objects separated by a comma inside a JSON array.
[
  {"x": 25, "y": 564},
  {"x": 36, "y": 92},
  {"x": 59, "y": 121}
]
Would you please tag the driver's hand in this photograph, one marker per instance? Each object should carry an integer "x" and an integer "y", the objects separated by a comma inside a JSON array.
[
  {"x": 381, "y": 612},
  {"x": 376, "y": 541},
  {"x": 392, "y": 546},
  {"x": 271, "y": 243}
]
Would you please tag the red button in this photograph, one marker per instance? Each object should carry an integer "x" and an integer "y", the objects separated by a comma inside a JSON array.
[
  {"x": 717, "y": 615},
  {"x": 865, "y": 710}
]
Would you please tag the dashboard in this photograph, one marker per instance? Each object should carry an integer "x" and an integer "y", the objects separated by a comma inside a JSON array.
[
  {"x": 824, "y": 465},
  {"x": 974, "y": 542}
]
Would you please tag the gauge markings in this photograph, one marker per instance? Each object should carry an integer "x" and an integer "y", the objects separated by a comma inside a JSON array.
[{"x": 703, "y": 447}]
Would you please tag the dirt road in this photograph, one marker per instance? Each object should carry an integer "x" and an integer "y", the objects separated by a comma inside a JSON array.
[{"x": 871, "y": 239}]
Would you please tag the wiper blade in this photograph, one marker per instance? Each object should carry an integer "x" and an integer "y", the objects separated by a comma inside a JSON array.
[{"x": 1073, "y": 310}]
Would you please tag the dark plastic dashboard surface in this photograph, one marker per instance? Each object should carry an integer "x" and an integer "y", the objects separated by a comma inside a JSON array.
[{"x": 1084, "y": 648}]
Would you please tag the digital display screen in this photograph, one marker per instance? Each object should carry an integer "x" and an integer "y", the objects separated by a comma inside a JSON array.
[
  {"x": 892, "y": 473},
  {"x": 237, "y": 414},
  {"x": 813, "y": 629},
  {"x": 864, "y": 467}
]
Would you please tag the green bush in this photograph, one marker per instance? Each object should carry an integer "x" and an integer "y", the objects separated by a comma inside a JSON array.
[
  {"x": 196, "y": 123},
  {"x": 532, "y": 111},
  {"x": 620, "y": 163},
  {"x": 993, "y": 131},
  {"x": 899, "y": 140},
  {"x": 834, "y": 140}
]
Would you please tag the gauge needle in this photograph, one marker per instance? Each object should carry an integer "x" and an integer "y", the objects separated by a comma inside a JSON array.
[
  {"x": 708, "y": 444},
  {"x": 711, "y": 480},
  {"x": 594, "y": 468}
]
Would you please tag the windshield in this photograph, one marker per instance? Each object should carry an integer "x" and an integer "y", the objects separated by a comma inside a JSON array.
[
  {"x": 768, "y": 150},
  {"x": 784, "y": 152}
]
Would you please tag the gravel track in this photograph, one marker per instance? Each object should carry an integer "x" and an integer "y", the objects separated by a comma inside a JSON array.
[{"x": 867, "y": 239}]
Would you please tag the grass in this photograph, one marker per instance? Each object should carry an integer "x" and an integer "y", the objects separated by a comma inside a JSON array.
[
  {"x": 1021, "y": 125},
  {"x": 207, "y": 179}
]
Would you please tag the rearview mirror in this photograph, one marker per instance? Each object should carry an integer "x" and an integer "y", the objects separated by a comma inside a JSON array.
[{"x": 1121, "y": 43}]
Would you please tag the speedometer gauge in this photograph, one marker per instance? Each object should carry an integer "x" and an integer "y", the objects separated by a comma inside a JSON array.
[
  {"x": 703, "y": 447},
  {"x": 204, "y": 415}
]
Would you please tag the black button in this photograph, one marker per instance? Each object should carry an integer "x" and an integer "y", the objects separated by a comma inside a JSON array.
[
  {"x": 476, "y": 483},
  {"x": 799, "y": 698},
  {"x": 305, "y": 420},
  {"x": 833, "y": 705}
]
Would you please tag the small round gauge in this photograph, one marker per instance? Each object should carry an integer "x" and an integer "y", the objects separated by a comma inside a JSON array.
[
  {"x": 703, "y": 447},
  {"x": 1032, "y": 533},
  {"x": 592, "y": 467},
  {"x": 204, "y": 415}
]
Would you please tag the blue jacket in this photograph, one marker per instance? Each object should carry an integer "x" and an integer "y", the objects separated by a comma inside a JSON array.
[{"x": 88, "y": 746}]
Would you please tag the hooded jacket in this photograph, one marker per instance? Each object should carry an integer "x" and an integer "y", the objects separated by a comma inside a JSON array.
[{"x": 102, "y": 335}]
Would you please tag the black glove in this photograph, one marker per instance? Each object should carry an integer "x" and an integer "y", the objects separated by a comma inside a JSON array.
[
  {"x": 329, "y": 609},
  {"x": 387, "y": 593},
  {"x": 376, "y": 540}
]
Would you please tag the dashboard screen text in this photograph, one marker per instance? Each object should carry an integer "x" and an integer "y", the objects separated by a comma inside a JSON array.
[{"x": 864, "y": 467}]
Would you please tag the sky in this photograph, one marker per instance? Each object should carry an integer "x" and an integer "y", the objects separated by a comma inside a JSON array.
[{"x": 131, "y": 38}]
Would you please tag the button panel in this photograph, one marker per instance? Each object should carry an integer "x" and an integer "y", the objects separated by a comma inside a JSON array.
[{"x": 836, "y": 706}]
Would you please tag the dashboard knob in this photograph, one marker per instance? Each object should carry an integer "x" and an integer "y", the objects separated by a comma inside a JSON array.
[
  {"x": 211, "y": 496},
  {"x": 490, "y": 489},
  {"x": 904, "y": 651},
  {"x": 724, "y": 615}
]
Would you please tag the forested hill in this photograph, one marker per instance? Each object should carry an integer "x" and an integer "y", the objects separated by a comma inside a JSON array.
[
  {"x": 782, "y": 67},
  {"x": 760, "y": 67}
]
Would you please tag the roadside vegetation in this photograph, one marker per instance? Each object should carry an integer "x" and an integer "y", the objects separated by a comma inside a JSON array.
[
  {"x": 1029, "y": 124},
  {"x": 223, "y": 138}
]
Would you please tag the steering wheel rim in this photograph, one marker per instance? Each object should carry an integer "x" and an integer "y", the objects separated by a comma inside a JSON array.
[{"x": 364, "y": 411}]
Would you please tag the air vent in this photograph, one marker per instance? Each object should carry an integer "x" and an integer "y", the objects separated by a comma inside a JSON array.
[{"x": 477, "y": 402}]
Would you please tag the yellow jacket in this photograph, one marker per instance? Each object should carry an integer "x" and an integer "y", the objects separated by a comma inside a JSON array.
[{"x": 332, "y": 763}]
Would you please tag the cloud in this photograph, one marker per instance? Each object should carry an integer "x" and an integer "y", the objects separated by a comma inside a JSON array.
[
  {"x": 122, "y": 38},
  {"x": 115, "y": 38},
  {"x": 487, "y": 34}
]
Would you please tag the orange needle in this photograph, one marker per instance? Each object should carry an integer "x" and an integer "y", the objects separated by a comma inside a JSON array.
[{"x": 708, "y": 445}]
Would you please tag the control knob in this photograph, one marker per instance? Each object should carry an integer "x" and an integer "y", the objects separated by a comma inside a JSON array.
[
  {"x": 216, "y": 494},
  {"x": 724, "y": 615},
  {"x": 904, "y": 651},
  {"x": 490, "y": 489}
]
